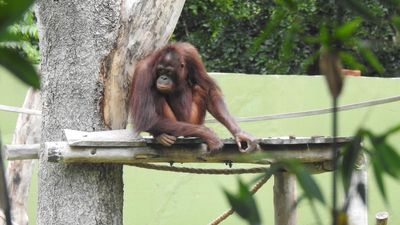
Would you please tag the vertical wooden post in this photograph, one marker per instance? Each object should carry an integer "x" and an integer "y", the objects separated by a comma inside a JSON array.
[
  {"x": 285, "y": 198},
  {"x": 382, "y": 218},
  {"x": 358, "y": 211}
]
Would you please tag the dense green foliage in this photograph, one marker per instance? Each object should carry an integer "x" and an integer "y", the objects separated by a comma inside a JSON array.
[
  {"x": 18, "y": 42},
  {"x": 303, "y": 37},
  {"x": 225, "y": 30},
  {"x": 27, "y": 43}
]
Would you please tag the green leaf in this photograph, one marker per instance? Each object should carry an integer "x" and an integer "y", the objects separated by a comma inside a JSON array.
[
  {"x": 273, "y": 23},
  {"x": 244, "y": 204},
  {"x": 9, "y": 36},
  {"x": 371, "y": 58},
  {"x": 324, "y": 36},
  {"x": 312, "y": 207},
  {"x": 359, "y": 8},
  {"x": 350, "y": 61},
  {"x": 362, "y": 192},
  {"x": 290, "y": 4},
  {"x": 19, "y": 67},
  {"x": 288, "y": 42},
  {"x": 11, "y": 11},
  {"x": 307, "y": 183},
  {"x": 394, "y": 3},
  {"x": 379, "y": 179},
  {"x": 310, "y": 60},
  {"x": 389, "y": 159},
  {"x": 396, "y": 21},
  {"x": 392, "y": 130},
  {"x": 347, "y": 30},
  {"x": 385, "y": 155},
  {"x": 350, "y": 156}
]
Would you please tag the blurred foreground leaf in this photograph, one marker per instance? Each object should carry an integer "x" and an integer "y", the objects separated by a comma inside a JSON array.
[
  {"x": 362, "y": 192},
  {"x": 244, "y": 204},
  {"x": 370, "y": 57},
  {"x": 20, "y": 67},
  {"x": 307, "y": 183},
  {"x": 331, "y": 67},
  {"x": 347, "y": 30},
  {"x": 267, "y": 30},
  {"x": 358, "y": 7},
  {"x": 11, "y": 11},
  {"x": 378, "y": 172},
  {"x": 350, "y": 156},
  {"x": 384, "y": 157}
]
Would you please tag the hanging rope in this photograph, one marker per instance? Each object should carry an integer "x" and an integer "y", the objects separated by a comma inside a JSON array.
[
  {"x": 230, "y": 211},
  {"x": 257, "y": 118},
  {"x": 201, "y": 171},
  {"x": 313, "y": 112}
]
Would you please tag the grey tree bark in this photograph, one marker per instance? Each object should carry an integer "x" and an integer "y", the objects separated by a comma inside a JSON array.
[{"x": 88, "y": 50}]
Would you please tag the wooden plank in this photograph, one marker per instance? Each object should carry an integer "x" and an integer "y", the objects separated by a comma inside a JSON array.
[
  {"x": 114, "y": 138},
  {"x": 109, "y": 138},
  {"x": 291, "y": 140},
  {"x": 117, "y": 138}
]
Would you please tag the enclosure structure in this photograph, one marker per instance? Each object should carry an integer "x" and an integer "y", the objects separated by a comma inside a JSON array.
[
  {"x": 88, "y": 52},
  {"x": 122, "y": 147}
]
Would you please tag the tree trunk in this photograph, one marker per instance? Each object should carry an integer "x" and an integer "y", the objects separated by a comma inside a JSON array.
[
  {"x": 88, "y": 49},
  {"x": 19, "y": 172}
]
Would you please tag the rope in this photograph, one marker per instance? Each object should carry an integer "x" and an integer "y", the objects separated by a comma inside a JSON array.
[
  {"x": 200, "y": 171},
  {"x": 313, "y": 112},
  {"x": 258, "y": 118},
  {"x": 230, "y": 211}
]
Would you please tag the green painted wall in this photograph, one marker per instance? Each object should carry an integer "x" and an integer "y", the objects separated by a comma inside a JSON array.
[{"x": 153, "y": 197}]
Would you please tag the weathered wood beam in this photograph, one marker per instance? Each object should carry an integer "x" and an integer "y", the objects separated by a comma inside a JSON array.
[
  {"x": 18, "y": 152},
  {"x": 21, "y": 152},
  {"x": 182, "y": 153},
  {"x": 122, "y": 146},
  {"x": 129, "y": 138},
  {"x": 147, "y": 151}
]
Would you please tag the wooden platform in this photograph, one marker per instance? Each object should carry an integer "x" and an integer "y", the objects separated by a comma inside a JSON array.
[{"x": 122, "y": 146}]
